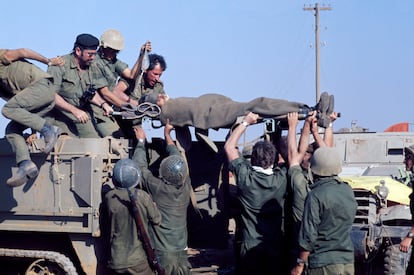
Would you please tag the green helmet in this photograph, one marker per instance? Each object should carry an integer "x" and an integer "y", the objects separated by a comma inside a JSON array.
[
  {"x": 325, "y": 162},
  {"x": 173, "y": 169},
  {"x": 126, "y": 174},
  {"x": 112, "y": 39}
]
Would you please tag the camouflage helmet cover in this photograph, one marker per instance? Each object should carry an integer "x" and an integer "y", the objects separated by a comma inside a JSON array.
[
  {"x": 325, "y": 162},
  {"x": 112, "y": 39},
  {"x": 126, "y": 173},
  {"x": 173, "y": 169}
]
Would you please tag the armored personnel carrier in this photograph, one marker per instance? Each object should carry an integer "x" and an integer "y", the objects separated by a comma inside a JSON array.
[{"x": 50, "y": 225}]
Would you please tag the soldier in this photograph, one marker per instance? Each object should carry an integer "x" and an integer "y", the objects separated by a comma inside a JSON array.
[
  {"x": 261, "y": 189},
  {"x": 150, "y": 82},
  {"x": 127, "y": 255},
  {"x": 29, "y": 94},
  {"x": 76, "y": 84},
  {"x": 111, "y": 43},
  {"x": 146, "y": 84},
  {"x": 171, "y": 193},
  {"x": 299, "y": 182},
  {"x": 406, "y": 243},
  {"x": 329, "y": 212}
]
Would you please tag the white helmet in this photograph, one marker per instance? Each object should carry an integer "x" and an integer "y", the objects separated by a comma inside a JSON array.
[{"x": 112, "y": 39}]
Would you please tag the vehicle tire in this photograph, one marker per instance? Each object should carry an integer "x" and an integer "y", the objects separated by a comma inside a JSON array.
[{"x": 395, "y": 261}]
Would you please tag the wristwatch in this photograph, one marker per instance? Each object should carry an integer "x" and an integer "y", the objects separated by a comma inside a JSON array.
[
  {"x": 300, "y": 261},
  {"x": 410, "y": 235}
]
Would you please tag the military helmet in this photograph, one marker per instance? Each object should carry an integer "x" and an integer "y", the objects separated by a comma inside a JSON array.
[
  {"x": 112, "y": 39},
  {"x": 126, "y": 173},
  {"x": 325, "y": 162},
  {"x": 173, "y": 169}
]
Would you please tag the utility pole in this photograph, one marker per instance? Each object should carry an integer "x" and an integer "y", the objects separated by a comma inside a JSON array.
[{"x": 317, "y": 8}]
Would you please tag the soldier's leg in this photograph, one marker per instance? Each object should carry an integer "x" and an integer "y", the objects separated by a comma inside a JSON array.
[
  {"x": 27, "y": 168},
  {"x": 29, "y": 105},
  {"x": 14, "y": 135}
]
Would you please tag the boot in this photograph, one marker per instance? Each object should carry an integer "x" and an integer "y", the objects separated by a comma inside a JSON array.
[
  {"x": 331, "y": 105},
  {"x": 324, "y": 102},
  {"x": 50, "y": 133},
  {"x": 27, "y": 170}
]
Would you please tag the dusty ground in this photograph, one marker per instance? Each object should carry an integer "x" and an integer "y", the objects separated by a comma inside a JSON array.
[{"x": 213, "y": 261}]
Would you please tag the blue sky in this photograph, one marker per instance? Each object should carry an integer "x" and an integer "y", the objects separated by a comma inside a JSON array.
[{"x": 246, "y": 49}]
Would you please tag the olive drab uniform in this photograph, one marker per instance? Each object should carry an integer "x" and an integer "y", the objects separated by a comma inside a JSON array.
[
  {"x": 328, "y": 215},
  {"x": 107, "y": 126},
  {"x": 71, "y": 84},
  {"x": 297, "y": 190},
  {"x": 136, "y": 91},
  {"x": 119, "y": 227},
  {"x": 262, "y": 198},
  {"x": 29, "y": 94},
  {"x": 213, "y": 111},
  {"x": 170, "y": 237}
]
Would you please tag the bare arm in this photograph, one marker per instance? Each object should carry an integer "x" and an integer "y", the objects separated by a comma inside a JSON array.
[
  {"x": 293, "y": 155},
  {"x": 79, "y": 114},
  {"x": 231, "y": 143},
  {"x": 328, "y": 136},
  {"x": 16, "y": 54},
  {"x": 298, "y": 269},
  {"x": 99, "y": 101},
  {"x": 167, "y": 133},
  {"x": 136, "y": 69},
  {"x": 304, "y": 137},
  {"x": 315, "y": 133},
  {"x": 110, "y": 97}
]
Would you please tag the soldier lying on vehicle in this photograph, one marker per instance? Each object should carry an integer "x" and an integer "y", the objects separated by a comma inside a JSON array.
[{"x": 218, "y": 111}]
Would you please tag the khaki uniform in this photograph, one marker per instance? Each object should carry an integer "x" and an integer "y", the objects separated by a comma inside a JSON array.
[
  {"x": 111, "y": 71},
  {"x": 136, "y": 92},
  {"x": 70, "y": 84},
  {"x": 29, "y": 94},
  {"x": 213, "y": 111}
]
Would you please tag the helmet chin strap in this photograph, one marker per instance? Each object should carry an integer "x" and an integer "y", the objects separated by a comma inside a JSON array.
[{"x": 310, "y": 175}]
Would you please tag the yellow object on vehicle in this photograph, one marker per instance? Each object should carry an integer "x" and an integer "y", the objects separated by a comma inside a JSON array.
[{"x": 398, "y": 192}]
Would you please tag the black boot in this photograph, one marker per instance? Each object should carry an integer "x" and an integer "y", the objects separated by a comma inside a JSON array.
[
  {"x": 50, "y": 133},
  {"x": 27, "y": 170}
]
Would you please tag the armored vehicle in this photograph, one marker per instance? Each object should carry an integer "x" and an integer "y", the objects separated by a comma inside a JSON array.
[
  {"x": 373, "y": 166},
  {"x": 50, "y": 225}
]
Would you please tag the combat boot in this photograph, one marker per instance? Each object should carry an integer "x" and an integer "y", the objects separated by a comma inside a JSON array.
[
  {"x": 27, "y": 170},
  {"x": 50, "y": 133}
]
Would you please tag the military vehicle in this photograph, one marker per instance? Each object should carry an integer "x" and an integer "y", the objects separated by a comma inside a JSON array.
[
  {"x": 373, "y": 165},
  {"x": 50, "y": 225}
]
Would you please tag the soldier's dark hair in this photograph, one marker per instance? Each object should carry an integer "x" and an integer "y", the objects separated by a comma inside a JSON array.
[
  {"x": 263, "y": 154},
  {"x": 155, "y": 59}
]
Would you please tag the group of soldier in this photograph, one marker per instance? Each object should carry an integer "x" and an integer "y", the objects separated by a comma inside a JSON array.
[
  {"x": 289, "y": 194},
  {"x": 76, "y": 96}
]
